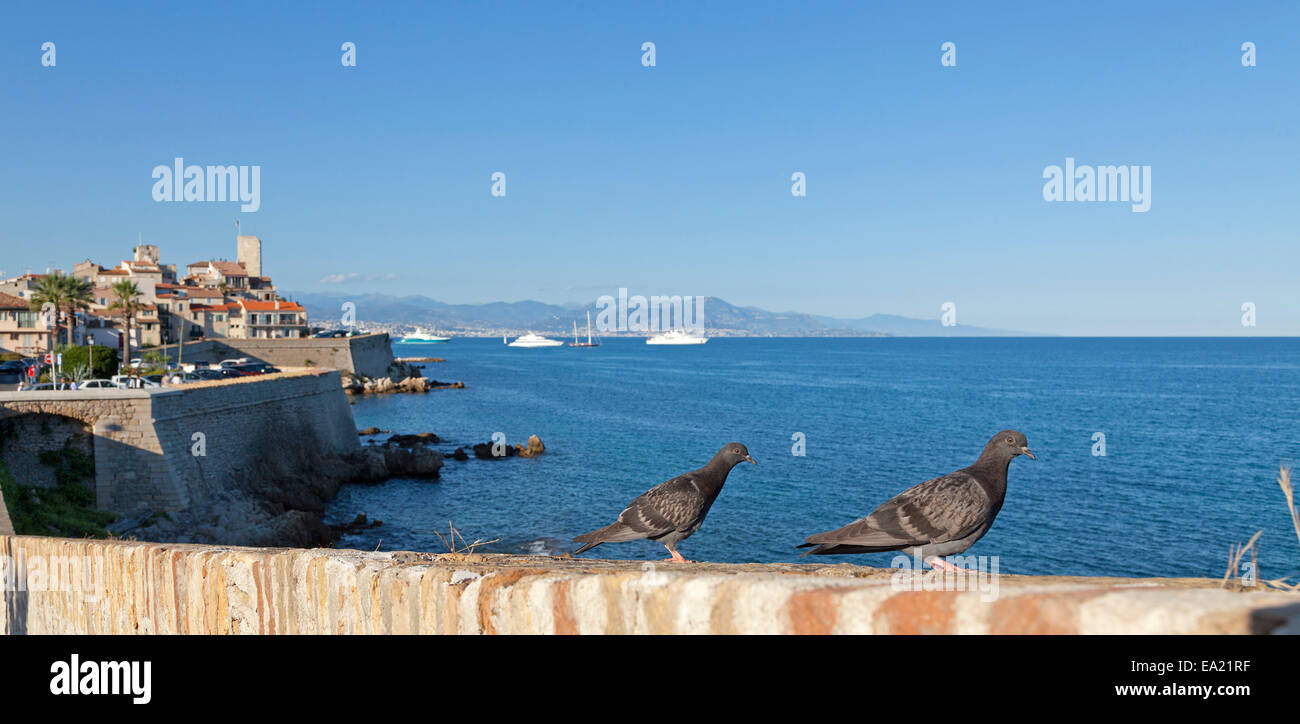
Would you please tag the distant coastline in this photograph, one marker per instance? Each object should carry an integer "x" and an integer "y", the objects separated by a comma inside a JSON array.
[{"x": 399, "y": 315}]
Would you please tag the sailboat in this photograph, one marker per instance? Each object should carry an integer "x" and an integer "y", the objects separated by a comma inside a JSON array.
[{"x": 588, "y": 343}]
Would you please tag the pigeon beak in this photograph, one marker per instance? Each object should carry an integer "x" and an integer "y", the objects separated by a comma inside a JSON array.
[
  {"x": 1025, "y": 450},
  {"x": 752, "y": 460}
]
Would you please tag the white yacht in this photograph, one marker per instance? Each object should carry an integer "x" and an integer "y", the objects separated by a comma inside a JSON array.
[
  {"x": 419, "y": 335},
  {"x": 535, "y": 340},
  {"x": 676, "y": 336}
]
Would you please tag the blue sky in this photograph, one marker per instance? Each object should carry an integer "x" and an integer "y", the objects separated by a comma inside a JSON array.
[{"x": 924, "y": 182}]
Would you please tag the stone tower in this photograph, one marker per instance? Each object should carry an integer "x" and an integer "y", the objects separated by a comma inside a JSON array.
[
  {"x": 147, "y": 254},
  {"x": 249, "y": 254}
]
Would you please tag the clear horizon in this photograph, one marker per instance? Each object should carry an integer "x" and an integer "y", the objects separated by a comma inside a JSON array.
[{"x": 925, "y": 183}]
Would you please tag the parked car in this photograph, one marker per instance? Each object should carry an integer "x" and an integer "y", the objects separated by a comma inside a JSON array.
[
  {"x": 12, "y": 371},
  {"x": 97, "y": 385},
  {"x": 233, "y": 362},
  {"x": 224, "y": 373},
  {"x": 255, "y": 368},
  {"x": 124, "y": 382}
]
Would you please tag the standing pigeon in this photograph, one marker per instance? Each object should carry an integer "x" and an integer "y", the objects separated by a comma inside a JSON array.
[
  {"x": 671, "y": 511},
  {"x": 937, "y": 518}
]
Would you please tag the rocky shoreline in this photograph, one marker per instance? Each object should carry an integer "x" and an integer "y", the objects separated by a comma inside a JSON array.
[
  {"x": 403, "y": 376},
  {"x": 277, "y": 507}
]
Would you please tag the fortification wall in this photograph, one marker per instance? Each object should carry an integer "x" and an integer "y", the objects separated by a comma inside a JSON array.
[
  {"x": 218, "y": 436},
  {"x": 117, "y": 587},
  {"x": 368, "y": 355},
  {"x": 39, "y": 434},
  {"x": 168, "y": 449}
]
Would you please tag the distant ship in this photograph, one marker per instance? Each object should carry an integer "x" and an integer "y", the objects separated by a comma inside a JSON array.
[
  {"x": 676, "y": 337},
  {"x": 425, "y": 337},
  {"x": 535, "y": 340},
  {"x": 588, "y": 343}
]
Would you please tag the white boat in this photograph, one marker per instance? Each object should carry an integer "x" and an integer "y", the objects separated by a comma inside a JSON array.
[
  {"x": 588, "y": 343},
  {"x": 420, "y": 335},
  {"x": 676, "y": 337},
  {"x": 535, "y": 340}
]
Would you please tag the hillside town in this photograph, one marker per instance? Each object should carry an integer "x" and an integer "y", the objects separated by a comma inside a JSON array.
[{"x": 142, "y": 303}]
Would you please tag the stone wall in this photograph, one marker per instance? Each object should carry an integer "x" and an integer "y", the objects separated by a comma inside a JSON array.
[
  {"x": 28, "y": 436},
  {"x": 117, "y": 587},
  {"x": 369, "y": 355},
  {"x": 172, "y": 448},
  {"x": 130, "y": 473}
]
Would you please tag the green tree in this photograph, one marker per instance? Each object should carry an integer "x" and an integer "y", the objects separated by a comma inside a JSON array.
[
  {"x": 67, "y": 294},
  {"x": 129, "y": 305},
  {"x": 98, "y": 361}
]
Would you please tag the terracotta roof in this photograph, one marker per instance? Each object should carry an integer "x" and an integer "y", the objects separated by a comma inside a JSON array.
[
  {"x": 115, "y": 272},
  {"x": 271, "y": 306},
  {"x": 230, "y": 268},
  {"x": 202, "y": 292},
  {"x": 9, "y": 301}
]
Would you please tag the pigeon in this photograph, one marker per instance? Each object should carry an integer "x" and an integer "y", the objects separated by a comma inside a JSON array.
[
  {"x": 937, "y": 518},
  {"x": 671, "y": 511}
]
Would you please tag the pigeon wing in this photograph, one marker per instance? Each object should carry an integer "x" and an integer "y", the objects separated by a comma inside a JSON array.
[
  {"x": 936, "y": 511},
  {"x": 673, "y": 505}
]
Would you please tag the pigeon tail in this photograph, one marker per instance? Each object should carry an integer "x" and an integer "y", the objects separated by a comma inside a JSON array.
[
  {"x": 586, "y": 547},
  {"x": 616, "y": 532},
  {"x": 835, "y": 549}
]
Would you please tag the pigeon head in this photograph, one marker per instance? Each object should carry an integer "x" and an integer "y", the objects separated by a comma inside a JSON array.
[
  {"x": 1006, "y": 445},
  {"x": 732, "y": 454}
]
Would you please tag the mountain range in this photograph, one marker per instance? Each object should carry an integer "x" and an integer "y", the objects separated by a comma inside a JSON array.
[{"x": 720, "y": 318}]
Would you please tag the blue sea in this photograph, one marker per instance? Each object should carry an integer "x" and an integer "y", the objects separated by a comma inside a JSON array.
[{"x": 1195, "y": 430}]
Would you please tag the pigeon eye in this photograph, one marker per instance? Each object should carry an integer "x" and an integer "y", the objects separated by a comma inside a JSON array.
[{"x": 1010, "y": 440}]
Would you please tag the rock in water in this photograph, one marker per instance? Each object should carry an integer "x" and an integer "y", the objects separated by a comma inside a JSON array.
[
  {"x": 937, "y": 518},
  {"x": 671, "y": 511},
  {"x": 535, "y": 447}
]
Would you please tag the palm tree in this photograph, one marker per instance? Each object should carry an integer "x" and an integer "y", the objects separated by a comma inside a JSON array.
[
  {"x": 67, "y": 294},
  {"x": 127, "y": 292}
]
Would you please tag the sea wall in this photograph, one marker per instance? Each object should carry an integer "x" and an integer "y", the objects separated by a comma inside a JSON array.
[
  {"x": 117, "y": 587},
  {"x": 247, "y": 461},
  {"x": 369, "y": 355}
]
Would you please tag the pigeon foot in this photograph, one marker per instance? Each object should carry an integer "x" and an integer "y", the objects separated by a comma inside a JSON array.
[
  {"x": 943, "y": 565},
  {"x": 677, "y": 558}
]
